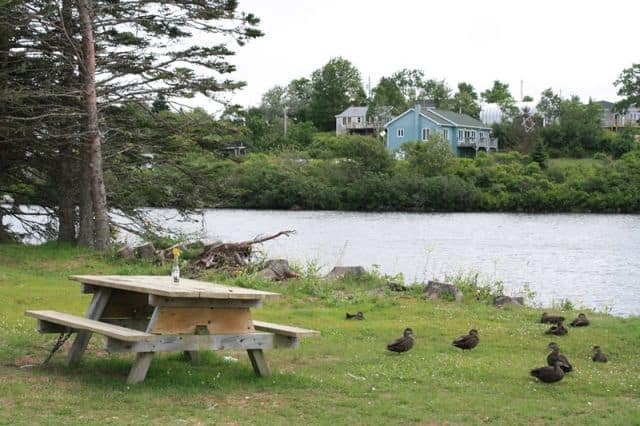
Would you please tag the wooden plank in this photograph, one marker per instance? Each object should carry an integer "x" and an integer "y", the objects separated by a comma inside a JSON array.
[
  {"x": 285, "y": 330},
  {"x": 80, "y": 323},
  {"x": 259, "y": 363},
  {"x": 99, "y": 301},
  {"x": 155, "y": 300},
  {"x": 140, "y": 367},
  {"x": 177, "y": 343},
  {"x": 164, "y": 286},
  {"x": 217, "y": 321}
]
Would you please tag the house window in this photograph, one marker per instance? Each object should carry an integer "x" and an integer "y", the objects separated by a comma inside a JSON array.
[
  {"x": 344, "y": 121},
  {"x": 400, "y": 132},
  {"x": 425, "y": 134},
  {"x": 359, "y": 120},
  {"x": 473, "y": 135},
  {"x": 460, "y": 134},
  {"x": 445, "y": 133}
]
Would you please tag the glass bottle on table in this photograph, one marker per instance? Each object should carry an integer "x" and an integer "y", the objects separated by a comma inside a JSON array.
[{"x": 175, "y": 272}]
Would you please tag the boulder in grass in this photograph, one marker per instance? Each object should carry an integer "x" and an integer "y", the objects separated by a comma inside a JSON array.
[
  {"x": 277, "y": 270},
  {"x": 340, "y": 272},
  {"x": 438, "y": 290},
  {"x": 126, "y": 252},
  {"x": 508, "y": 300},
  {"x": 146, "y": 251}
]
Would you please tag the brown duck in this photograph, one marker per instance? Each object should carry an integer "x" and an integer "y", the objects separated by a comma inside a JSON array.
[
  {"x": 598, "y": 355},
  {"x": 469, "y": 341},
  {"x": 551, "y": 319},
  {"x": 357, "y": 316},
  {"x": 548, "y": 374},
  {"x": 404, "y": 343},
  {"x": 581, "y": 321},
  {"x": 556, "y": 356},
  {"x": 557, "y": 330}
]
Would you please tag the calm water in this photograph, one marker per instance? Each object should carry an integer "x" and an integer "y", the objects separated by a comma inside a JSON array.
[{"x": 592, "y": 260}]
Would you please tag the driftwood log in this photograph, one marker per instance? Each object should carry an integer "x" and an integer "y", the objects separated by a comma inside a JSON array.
[{"x": 230, "y": 255}]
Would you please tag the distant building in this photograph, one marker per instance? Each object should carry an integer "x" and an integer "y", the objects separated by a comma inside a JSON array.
[
  {"x": 465, "y": 134},
  {"x": 613, "y": 120},
  {"x": 359, "y": 120},
  {"x": 491, "y": 113}
]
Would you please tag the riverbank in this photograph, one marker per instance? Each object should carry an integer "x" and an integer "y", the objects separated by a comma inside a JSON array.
[{"x": 346, "y": 375}]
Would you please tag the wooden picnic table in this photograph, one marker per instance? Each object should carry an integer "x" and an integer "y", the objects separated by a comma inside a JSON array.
[{"x": 149, "y": 314}]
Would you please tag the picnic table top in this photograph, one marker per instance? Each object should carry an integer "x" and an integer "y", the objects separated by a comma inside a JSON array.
[{"x": 164, "y": 286}]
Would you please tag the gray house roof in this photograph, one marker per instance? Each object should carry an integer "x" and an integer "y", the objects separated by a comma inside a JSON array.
[
  {"x": 445, "y": 118},
  {"x": 353, "y": 111},
  {"x": 460, "y": 120}
]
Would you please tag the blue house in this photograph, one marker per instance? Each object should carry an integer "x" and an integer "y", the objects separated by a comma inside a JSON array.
[{"x": 465, "y": 134}]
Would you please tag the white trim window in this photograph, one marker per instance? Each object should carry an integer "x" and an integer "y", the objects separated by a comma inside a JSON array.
[
  {"x": 425, "y": 133},
  {"x": 460, "y": 134},
  {"x": 445, "y": 133},
  {"x": 400, "y": 132}
]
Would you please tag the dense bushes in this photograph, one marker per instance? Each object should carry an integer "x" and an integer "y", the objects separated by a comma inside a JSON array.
[{"x": 357, "y": 173}]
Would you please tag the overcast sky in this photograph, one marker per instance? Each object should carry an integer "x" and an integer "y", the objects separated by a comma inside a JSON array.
[{"x": 574, "y": 47}]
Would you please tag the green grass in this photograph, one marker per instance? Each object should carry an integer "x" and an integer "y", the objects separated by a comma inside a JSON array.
[{"x": 344, "y": 377}]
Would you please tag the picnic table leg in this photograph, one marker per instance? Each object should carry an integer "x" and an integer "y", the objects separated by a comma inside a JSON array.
[
  {"x": 140, "y": 367},
  {"x": 98, "y": 303},
  {"x": 259, "y": 363}
]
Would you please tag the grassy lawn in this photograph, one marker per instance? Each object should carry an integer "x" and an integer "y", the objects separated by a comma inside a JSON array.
[{"x": 344, "y": 377}]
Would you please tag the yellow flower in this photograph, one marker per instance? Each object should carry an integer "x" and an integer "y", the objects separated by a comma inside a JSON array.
[{"x": 176, "y": 252}]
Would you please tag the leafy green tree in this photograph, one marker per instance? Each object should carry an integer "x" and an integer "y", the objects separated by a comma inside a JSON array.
[
  {"x": 549, "y": 106},
  {"x": 438, "y": 92},
  {"x": 273, "y": 103},
  {"x": 411, "y": 83},
  {"x": 465, "y": 100},
  {"x": 428, "y": 158},
  {"x": 629, "y": 87},
  {"x": 298, "y": 99},
  {"x": 499, "y": 94},
  {"x": 334, "y": 87},
  {"x": 387, "y": 93}
]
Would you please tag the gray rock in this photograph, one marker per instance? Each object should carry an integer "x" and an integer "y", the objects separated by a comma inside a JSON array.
[
  {"x": 396, "y": 286},
  {"x": 438, "y": 290},
  {"x": 277, "y": 270},
  {"x": 339, "y": 272},
  {"x": 146, "y": 251},
  {"x": 126, "y": 252},
  {"x": 508, "y": 300}
]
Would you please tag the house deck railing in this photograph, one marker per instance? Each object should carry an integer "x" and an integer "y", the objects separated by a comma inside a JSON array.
[
  {"x": 364, "y": 125},
  {"x": 486, "y": 143}
]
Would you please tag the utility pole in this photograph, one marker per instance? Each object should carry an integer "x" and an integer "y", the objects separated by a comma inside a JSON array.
[{"x": 285, "y": 121}]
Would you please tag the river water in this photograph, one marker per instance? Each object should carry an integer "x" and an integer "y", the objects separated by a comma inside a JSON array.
[{"x": 592, "y": 260}]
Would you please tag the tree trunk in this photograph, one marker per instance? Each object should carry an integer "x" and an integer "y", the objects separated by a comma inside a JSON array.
[
  {"x": 66, "y": 208},
  {"x": 94, "y": 142},
  {"x": 65, "y": 179},
  {"x": 85, "y": 235}
]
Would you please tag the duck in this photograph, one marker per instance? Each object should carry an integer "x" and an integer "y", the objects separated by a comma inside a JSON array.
[
  {"x": 556, "y": 356},
  {"x": 548, "y": 374},
  {"x": 581, "y": 321},
  {"x": 357, "y": 316},
  {"x": 551, "y": 319},
  {"x": 598, "y": 355},
  {"x": 557, "y": 330},
  {"x": 402, "y": 344},
  {"x": 469, "y": 341}
]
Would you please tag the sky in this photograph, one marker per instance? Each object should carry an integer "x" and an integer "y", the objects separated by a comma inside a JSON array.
[{"x": 574, "y": 47}]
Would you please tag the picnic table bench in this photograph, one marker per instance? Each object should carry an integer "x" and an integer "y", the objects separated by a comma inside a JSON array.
[{"x": 149, "y": 314}]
